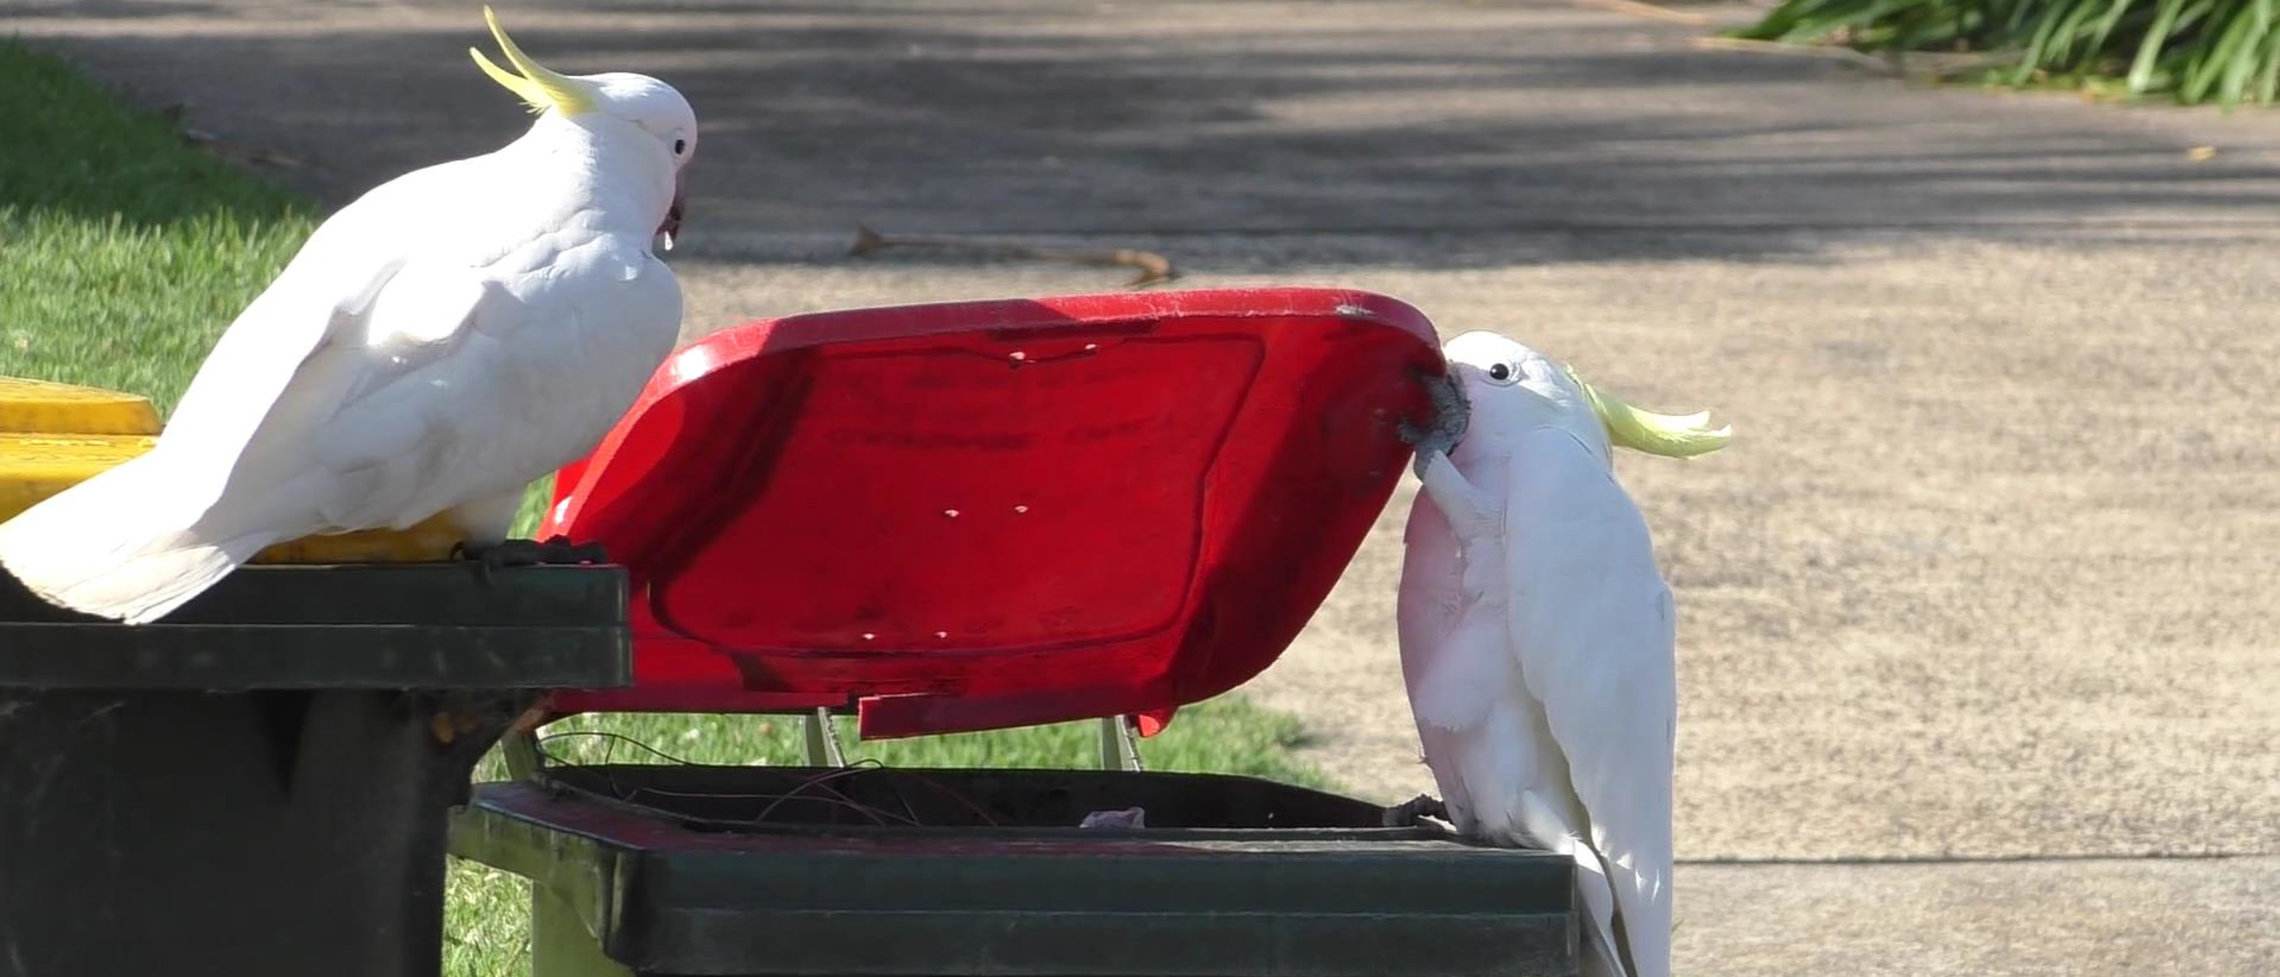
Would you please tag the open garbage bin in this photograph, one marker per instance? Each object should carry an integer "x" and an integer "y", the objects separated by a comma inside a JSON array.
[{"x": 980, "y": 515}]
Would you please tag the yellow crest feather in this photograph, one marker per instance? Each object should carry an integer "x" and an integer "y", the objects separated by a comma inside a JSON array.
[
  {"x": 531, "y": 94},
  {"x": 1668, "y": 435},
  {"x": 538, "y": 86}
]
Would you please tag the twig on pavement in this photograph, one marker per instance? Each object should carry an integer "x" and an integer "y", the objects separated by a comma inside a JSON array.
[
  {"x": 1154, "y": 269},
  {"x": 1650, "y": 11},
  {"x": 1847, "y": 55}
]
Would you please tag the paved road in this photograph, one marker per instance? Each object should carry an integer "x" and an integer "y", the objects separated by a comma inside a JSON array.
[{"x": 1987, "y": 575}]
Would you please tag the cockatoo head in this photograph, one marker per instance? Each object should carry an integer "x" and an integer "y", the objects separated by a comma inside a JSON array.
[
  {"x": 628, "y": 109},
  {"x": 1513, "y": 389}
]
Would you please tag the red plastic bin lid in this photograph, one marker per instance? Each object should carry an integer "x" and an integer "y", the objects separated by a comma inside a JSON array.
[{"x": 977, "y": 515}]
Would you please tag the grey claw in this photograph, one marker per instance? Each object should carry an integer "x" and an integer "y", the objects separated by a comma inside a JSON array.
[
  {"x": 526, "y": 552},
  {"x": 1414, "y": 810},
  {"x": 559, "y": 549}
]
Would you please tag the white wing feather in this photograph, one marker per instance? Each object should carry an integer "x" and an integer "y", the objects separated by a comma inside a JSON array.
[
  {"x": 391, "y": 371},
  {"x": 1427, "y": 615},
  {"x": 1593, "y": 626},
  {"x": 324, "y": 294}
]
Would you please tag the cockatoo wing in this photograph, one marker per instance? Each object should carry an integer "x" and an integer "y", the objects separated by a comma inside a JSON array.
[
  {"x": 545, "y": 361},
  {"x": 1427, "y": 615},
  {"x": 387, "y": 330},
  {"x": 128, "y": 543},
  {"x": 1593, "y": 626},
  {"x": 1431, "y": 599},
  {"x": 385, "y": 375},
  {"x": 324, "y": 297}
]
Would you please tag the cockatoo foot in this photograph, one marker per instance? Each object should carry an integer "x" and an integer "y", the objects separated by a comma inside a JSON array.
[
  {"x": 1415, "y": 809},
  {"x": 558, "y": 550}
]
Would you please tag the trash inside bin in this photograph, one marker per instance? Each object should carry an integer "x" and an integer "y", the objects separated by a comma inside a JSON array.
[{"x": 979, "y": 515}]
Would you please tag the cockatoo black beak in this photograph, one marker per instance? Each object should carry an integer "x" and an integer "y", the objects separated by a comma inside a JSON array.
[
  {"x": 1452, "y": 410},
  {"x": 1452, "y": 414},
  {"x": 671, "y": 228}
]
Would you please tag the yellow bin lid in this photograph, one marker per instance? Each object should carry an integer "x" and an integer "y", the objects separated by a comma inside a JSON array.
[
  {"x": 40, "y": 407},
  {"x": 56, "y": 435}
]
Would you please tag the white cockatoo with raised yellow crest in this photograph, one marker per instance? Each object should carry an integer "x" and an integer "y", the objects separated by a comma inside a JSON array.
[
  {"x": 1536, "y": 633},
  {"x": 435, "y": 346}
]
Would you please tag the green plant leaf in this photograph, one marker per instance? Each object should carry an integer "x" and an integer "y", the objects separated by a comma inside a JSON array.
[{"x": 2149, "y": 50}]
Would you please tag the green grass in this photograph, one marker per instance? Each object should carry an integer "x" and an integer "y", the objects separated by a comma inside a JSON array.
[
  {"x": 1224, "y": 735},
  {"x": 124, "y": 253},
  {"x": 2194, "y": 51}
]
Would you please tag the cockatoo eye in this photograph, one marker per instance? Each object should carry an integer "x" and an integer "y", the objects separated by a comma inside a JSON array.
[
  {"x": 1502, "y": 373},
  {"x": 680, "y": 146}
]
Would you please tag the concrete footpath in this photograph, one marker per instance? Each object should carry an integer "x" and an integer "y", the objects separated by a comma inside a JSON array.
[{"x": 1978, "y": 655}]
